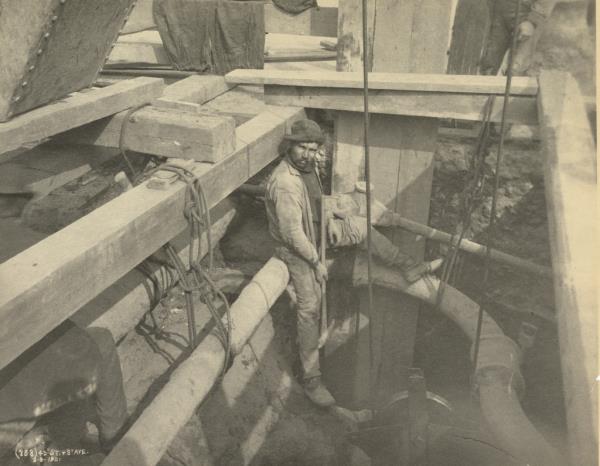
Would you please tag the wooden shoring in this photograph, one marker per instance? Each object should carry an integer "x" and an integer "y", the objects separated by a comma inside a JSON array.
[
  {"x": 47, "y": 283},
  {"x": 77, "y": 109},
  {"x": 407, "y": 94},
  {"x": 571, "y": 196}
]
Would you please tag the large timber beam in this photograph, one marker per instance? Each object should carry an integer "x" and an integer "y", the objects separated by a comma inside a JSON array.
[
  {"x": 408, "y": 94},
  {"x": 571, "y": 195},
  {"x": 312, "y": 22},
  {"x": 165, "y": 132},
  {"x": 48, "y": 282},
  {"x": 77, "y": 109},
  {"x": 401, "y": 149},
  {"x": 419, "y": 82}
]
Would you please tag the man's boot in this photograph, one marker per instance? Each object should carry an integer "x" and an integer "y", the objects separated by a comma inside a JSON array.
[{"x": 318, "y": 393}]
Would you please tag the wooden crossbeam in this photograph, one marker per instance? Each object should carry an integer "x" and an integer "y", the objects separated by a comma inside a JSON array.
[
  {"x": 48, "y": 282},
  {"x": 76, "y": 110},
  {"x": 571, "y": 195},
  {"x": 418, "y": 82},
  {"x": 189, "y": 93},
  {"x": 469, "y": 107},
  {"x": 162, "y": 131}
]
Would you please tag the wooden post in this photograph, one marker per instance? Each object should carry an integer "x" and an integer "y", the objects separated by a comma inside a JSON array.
[
  {"x": 571, "y": 195},
  {"x": 410, "y": 36}
]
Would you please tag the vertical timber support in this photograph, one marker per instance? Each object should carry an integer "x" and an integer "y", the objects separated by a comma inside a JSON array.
[
  {"x": 571, "y": 194},
  {"x": 405, "y": 36}
]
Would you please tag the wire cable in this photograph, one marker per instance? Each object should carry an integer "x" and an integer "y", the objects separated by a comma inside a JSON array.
[
  {"x": 367, "y": 177},
  {"x": 492, "y": 224}
]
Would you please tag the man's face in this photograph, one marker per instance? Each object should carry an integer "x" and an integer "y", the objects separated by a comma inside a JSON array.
[{"x": 303, "y": 154}]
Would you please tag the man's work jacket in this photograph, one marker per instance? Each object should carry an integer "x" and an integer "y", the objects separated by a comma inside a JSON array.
[
  {"x": 536, "y": 11},
  {"x": 289, "y": 212}
]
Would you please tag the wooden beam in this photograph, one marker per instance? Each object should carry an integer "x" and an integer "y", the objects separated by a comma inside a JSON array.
[
  {"x": 401, "y": 149},
  {"x": 194, "y": 89},
  {"x": 76, "y": 110},
  {"x": 571, "y": 195},
  {"x": 162, "y": 131},
  {"x": 419, "y": 82},
  {"x": 48, "y": 282},
  {"x": 470, "y": 107},
  {"x": 312, "y": 22}
]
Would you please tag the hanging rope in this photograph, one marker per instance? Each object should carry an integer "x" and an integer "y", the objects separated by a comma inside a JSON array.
[{"x": 492, "y": 224}]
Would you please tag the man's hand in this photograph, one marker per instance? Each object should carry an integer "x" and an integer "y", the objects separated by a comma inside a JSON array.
[
  {"x": 525, "y": 30},
  {"x": 321, "y": 272}
]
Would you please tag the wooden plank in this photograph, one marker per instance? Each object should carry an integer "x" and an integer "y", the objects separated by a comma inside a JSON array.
[
  {"x": 571, "y": 195},
  {"x": 312, "y": 22},
  {"x": 48, "y": 282},
  {"x": 470, "y": 107},
  {"x": 420, "y": 82},
  {"x": 76, "y": 110},
  {"x": 138, "y": 52},
  {"x": 164, "y": 132},
  {"x": 402, "y": 161},
  {"x": 195, "y": 89}
]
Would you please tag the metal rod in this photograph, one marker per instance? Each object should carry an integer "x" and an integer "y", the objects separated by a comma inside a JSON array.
[
  {"x": 492, "y": 226},
  {"x": 367, "y": 174}
]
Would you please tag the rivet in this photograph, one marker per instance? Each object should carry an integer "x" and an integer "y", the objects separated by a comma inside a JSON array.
[
  {"x": 126, "y": 18},
  {"x": 16, "y": 98},
  {"x": 24, "y": 84},
  {"x": 46, "y": 35},
  {"x": 54, "y": 18},
  {"x": 63, "y": 2},
  {"x": 32, "y": 67},
  {"x": 39, "y": 52}
]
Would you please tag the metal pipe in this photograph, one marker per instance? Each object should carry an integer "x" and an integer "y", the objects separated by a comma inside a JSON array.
[
  {"x": 147, "y": 440},
  {"x": 497, "y": 375},
  {"x": 441, "y": 236}
]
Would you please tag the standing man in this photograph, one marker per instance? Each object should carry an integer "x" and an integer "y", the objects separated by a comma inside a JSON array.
[
  {"x": 532, "y": 16},
  {"x": 292, "y": 202}
]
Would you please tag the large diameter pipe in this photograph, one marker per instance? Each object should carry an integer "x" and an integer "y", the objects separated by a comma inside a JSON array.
[
  {"x": 148, "y": 439},
  {"x": 497, "y": 374}
]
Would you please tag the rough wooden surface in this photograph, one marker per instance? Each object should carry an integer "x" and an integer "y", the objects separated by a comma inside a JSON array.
[
  {"x": 470, "y": 107},
  {"x": 50, "y": 50},
  {"x": 404, "y": 36},
  {"x": 48, "y": 282},
  {"x": 76, "y": 110},
  {"x": 419, "y": 82},
  {"x": 164, "y": 132},
  {"x": 571, "y": 194},
  {"x": 195, "y": 89}
]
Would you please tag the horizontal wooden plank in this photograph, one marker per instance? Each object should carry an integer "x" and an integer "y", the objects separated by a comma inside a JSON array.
[
  {"x": 48, "y": 282},
  {"x": 76, "y": 110},
  {"x": 470, "y": 107},
  {"x": 195, "y": 89},
  {"x": 461, "y": 84},
  {"x": 162, "y": 131},
  {"x": 312, "y": 22},
  {"x": 571, "y": 195}
]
